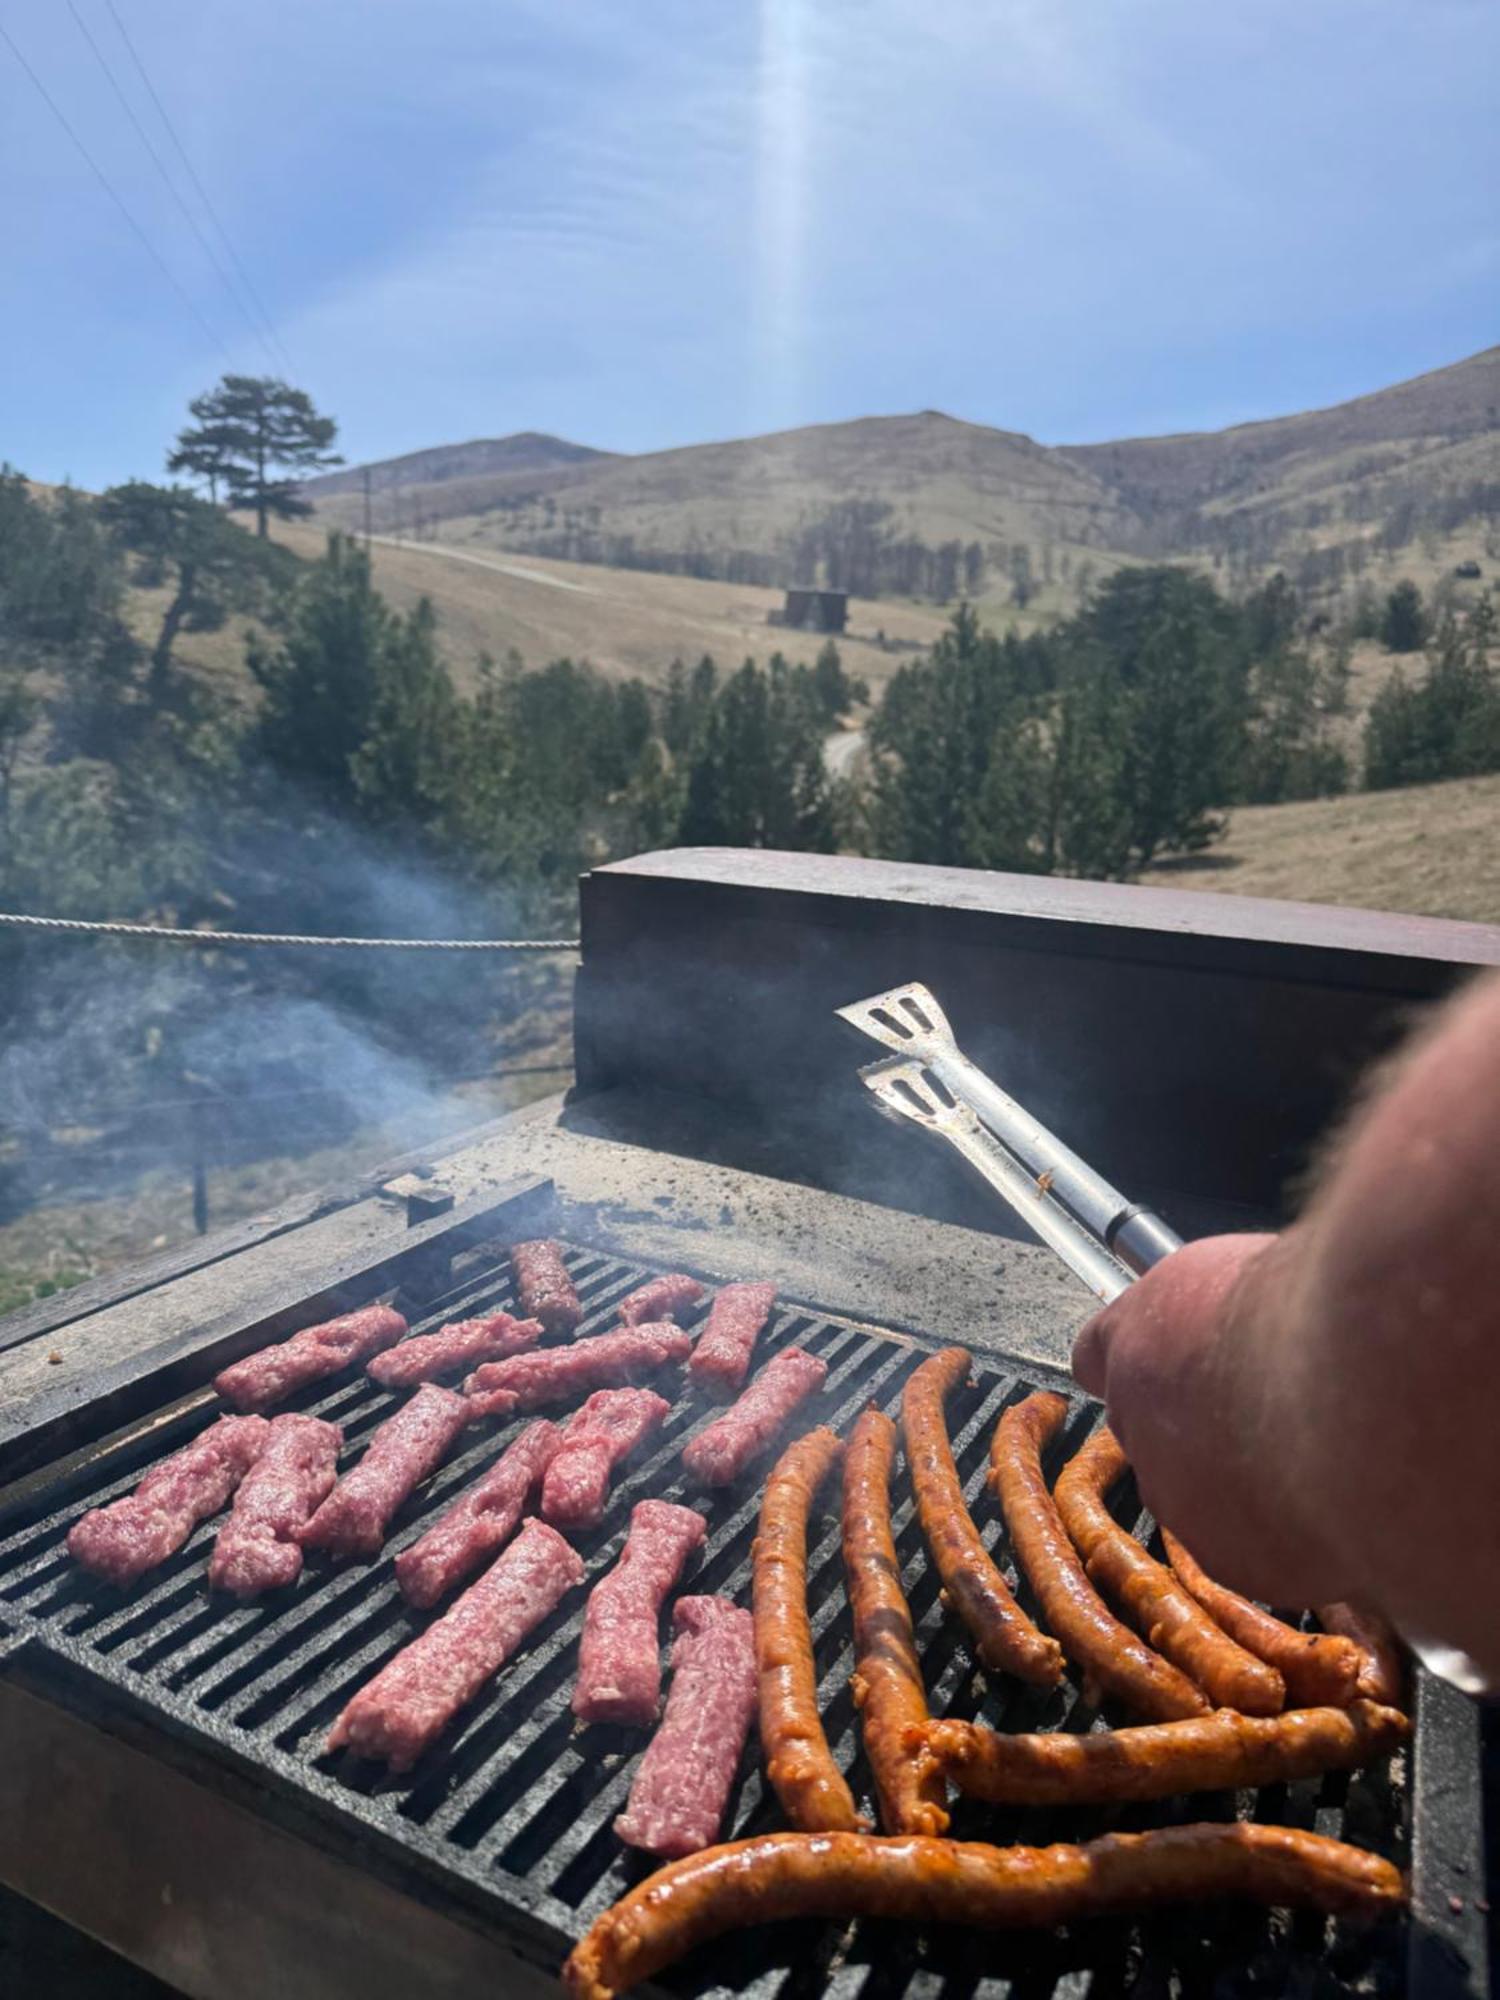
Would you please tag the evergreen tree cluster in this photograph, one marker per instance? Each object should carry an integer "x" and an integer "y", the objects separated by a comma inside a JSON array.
[
  {"x": 853, "y": 545},
  {"x": 538, "y": 774},
  {"x": 1445, "y": 723},
  {"x": 1118, "y": 736}
]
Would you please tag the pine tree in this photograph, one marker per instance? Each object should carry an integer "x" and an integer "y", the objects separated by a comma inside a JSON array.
[
  {"x": 837, "y": 691},
  {"x": 257, "y": 435},
  {"x": 399, "y": 771},
  {"x": 1446, "y": 725},
  {"x": 1089, "y": 822},
  {"x": 19, "y": 710},
  {"x": 931, "y": 739},
  {"x": 210, "y": 451},
  {"x": 322, "y": 682},
  {"x": 209, "y": 564},
  {"x": 677, "y": 713},
  {"x": 1007, "y": 823},
  {"x": 633, "y": 702},
  {"x": 1403, "y": 624},
  {"x": 1289, "y": 753},
  {"x": 62, "y": 587},
  {"x": 1176, "y": 651},
  {"x": 757, "y": 778},
  {"x": 1393, "y": 748}
]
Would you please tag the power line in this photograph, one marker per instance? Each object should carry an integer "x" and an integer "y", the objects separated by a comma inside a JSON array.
[
  {"x": 81, "y": 926},
  {"x": 192, "y": 174},
  {"x": 171, "y": 186},
  {"x": 108, "y": 186}
]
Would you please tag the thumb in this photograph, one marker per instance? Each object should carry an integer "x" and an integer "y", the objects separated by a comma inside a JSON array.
[{"x": 1091, "y": 1356}]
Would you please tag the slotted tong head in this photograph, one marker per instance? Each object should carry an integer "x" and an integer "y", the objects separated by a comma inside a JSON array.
[{"x": 1103, "y": 1238}]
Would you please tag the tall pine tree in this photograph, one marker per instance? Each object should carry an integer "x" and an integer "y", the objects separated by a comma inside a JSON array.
[{"x": 258, "y": 436}]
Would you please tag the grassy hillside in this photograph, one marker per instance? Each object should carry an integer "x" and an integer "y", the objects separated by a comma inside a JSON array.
[
  {"x": 1433, "y": 850},
  {"x": 1406, "y": 479},
  {"x": 940, "y": 478},
  {"x": 623, "y": 621}
]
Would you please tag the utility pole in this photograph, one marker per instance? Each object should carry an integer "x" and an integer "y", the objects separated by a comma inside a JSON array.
[{"x": 367, "y": 507}]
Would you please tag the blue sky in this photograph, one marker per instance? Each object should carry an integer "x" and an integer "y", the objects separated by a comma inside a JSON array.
[{"x": 647, "y": 222}]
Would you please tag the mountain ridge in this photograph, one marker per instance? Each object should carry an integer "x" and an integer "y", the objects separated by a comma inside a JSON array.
[
  {"x": 915, "y": 504},
  {"x": 519, "y": 451}
]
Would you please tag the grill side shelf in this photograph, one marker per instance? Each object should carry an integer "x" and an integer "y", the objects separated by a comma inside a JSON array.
[
  {"x": 511, "y": 1815},
  {"x": 1448, "y": 1946}
]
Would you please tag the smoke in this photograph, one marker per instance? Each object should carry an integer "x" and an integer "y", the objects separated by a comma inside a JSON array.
[{"x": 118, "y": 1057}]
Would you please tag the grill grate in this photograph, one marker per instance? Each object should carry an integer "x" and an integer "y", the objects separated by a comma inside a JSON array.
[{"x": 512, "y": 1812}]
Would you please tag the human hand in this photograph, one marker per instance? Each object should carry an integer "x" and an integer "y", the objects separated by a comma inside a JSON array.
[{"x": 1187, "y": 1362}]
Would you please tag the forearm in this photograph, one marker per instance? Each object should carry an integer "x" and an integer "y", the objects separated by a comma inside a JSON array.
[{"x": 1380, "y": 1315}]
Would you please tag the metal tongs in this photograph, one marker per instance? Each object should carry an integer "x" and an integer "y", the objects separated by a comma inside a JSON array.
[{"x": 1103, "y": 1238}]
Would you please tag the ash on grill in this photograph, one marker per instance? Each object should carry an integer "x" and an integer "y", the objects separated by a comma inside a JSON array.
[{"x": 512, "y": 1812}]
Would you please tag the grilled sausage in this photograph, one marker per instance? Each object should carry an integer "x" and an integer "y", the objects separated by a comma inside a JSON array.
[
  {"x": 841, "y": 1875},
  {"x": 1221, "y": 1752},
  {"x": 1008, "y": 1642},
  {"x": 808, "y": 1783},
  {"x": 888, "y": 1690},
  {"x": 1382, "y": 1669},
  {"x": 1113, "y": 1659},
  {"x": 1316, "y": 1668},
  {"x": 1163, "y": 1611}
]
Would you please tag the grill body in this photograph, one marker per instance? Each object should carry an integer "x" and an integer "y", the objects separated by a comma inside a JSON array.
[{"x": 506, "y": 1825}]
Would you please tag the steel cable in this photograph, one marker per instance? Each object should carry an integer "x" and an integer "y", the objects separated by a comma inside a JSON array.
[{"x": 181, "y": 936}]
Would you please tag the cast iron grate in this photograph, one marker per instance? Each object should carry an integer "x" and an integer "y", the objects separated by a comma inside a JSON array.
[{"x": 512, "y": 1813}]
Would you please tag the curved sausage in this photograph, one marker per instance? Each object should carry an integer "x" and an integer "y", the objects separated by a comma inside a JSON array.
[
  {"x": 888, "y": 1690},
  {"x": 808, "y": 1783},
  {"x": 1382, "y": 1667},
  {"x": 1225, "y": 1751},
  {"x": 1113, "y": 1659},
  {"x": 1163, "y": 1611},
  {"x": 841, "y": 1875},
  {"x": 1316, "y": 1668},
  {"x": 1008, "y": 1642}
]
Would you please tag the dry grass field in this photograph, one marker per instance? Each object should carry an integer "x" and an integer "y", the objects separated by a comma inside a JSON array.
[
  {"x": 623, "y": 621},
  {"x": 1433, "y": 850}
]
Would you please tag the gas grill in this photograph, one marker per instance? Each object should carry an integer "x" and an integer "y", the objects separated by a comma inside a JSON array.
[{"x": 167, "y": 1783}]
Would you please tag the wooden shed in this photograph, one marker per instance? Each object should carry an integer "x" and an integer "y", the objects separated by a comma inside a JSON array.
[{"x": 816, "y": 610}]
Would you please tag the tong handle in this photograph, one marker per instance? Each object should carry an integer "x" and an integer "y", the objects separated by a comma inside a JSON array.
[{"x": 1140, "y": 1239}]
